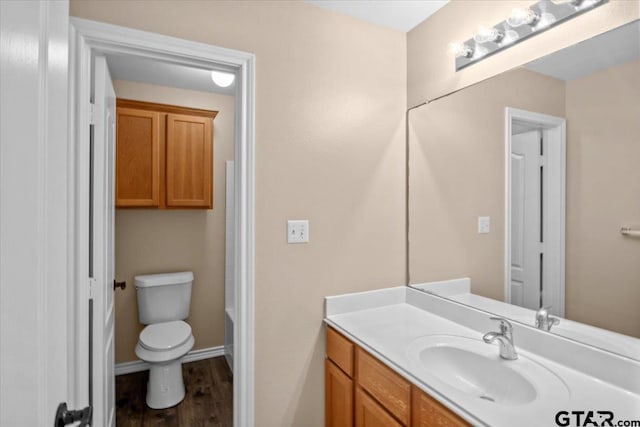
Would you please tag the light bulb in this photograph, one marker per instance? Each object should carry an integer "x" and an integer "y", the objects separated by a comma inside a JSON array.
[
  {"x": 488, "y": 34},
  {"x": 479, "y": 52},
  {"x": 522, "y": 16},
  {"x": 460, "y": 50},
  {"x": 222, "y": 79},
  {"x": 546, "y": 19},
  {"x": 510, "y": 36}
]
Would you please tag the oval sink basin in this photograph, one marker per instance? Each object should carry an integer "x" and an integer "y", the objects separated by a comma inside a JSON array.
[
  {"x": 475, "y": 369},
  {"x": 477, "y": 375}
]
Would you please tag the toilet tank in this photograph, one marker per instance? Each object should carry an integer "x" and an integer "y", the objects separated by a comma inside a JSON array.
[{"x": 163, "y": 297}]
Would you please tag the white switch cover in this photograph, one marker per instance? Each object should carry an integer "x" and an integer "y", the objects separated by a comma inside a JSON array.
[
  {"x": 484, "y": 224},
  {"x": 298, "y": 231}
]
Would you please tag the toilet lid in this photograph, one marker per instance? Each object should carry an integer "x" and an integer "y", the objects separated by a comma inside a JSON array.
[{"x": 165, "y": 336}]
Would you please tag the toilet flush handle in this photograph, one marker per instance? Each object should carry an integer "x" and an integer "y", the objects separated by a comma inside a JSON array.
[{"x": 121, "y": 285}]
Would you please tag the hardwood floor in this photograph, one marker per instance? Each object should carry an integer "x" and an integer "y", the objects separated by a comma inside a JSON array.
[{"x": 208, "y": 403}]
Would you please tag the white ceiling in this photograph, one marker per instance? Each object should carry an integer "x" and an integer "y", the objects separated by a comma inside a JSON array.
[
  {"x": 401, "y": 15},
  {"x": 616, "y": 47},
  {"x": 137, "y": 69}
]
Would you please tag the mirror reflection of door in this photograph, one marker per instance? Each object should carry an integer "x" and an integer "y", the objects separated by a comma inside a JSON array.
[
  {"x": 526, "y": 222},
  {"x": 536, "y": 146}
]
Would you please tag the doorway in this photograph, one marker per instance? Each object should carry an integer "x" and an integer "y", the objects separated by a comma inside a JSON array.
[
  {"x": 90, "y": 40},
  {"x": 535, "y": 165}
]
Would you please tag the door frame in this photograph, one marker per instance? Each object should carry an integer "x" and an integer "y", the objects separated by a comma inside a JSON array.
[
  {"x": 87, "y": 38},
  {"x": 554, "y": 131}
]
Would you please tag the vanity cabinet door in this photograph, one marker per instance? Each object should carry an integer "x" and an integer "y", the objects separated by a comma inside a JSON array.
[
  {"x": 427, "y": 412},
  {"x": 370, "y": 414},
  {"x": 338, "y": 397},
  {"x": 189, "y": 156},
  {"x": 137, "y": 158}
]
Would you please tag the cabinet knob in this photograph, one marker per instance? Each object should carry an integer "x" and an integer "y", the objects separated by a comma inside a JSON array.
[{"x": 121, "y": 285}]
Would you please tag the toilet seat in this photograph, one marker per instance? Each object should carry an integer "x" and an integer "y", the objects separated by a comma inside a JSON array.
[
  {"x": 164, "y": 342},
  {"x": 165, "y": 336}
]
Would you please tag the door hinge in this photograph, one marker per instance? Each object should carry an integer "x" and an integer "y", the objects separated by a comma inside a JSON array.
[
  {"x": 94, "y": 113},
  {"x": 92, "y": 285}
]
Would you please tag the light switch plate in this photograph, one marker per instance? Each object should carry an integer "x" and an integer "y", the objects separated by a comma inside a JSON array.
[
  {"x": 298, "y": 231},
  {"x": 484, "y": 224}
]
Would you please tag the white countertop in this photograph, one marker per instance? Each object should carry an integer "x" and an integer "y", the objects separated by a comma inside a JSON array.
[{"x": 386, "y": 322}]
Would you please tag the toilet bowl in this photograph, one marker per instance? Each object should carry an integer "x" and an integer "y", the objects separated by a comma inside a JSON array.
[
  {"x": 163, "y": 345},
  {"x": 163, "y": 305}
]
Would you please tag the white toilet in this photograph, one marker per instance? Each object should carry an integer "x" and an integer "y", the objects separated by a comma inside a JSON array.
[{"x": 163, "y": 304}]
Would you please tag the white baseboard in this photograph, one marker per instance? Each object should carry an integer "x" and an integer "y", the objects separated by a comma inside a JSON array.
[{"x": 192, "y": 356}]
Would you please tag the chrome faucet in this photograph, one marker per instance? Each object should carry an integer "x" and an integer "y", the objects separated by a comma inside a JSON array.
[
  {"x": 504, "y": 338},
  {"x": 544, "y": 321}
]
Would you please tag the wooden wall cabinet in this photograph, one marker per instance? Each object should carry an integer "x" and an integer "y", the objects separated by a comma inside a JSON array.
[
  {"x": 164, "y": 156},
  {"x": 361, "y": 391}
]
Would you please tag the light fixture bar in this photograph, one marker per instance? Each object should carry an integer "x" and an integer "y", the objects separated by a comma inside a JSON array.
[{"x": 520, "y": 25}]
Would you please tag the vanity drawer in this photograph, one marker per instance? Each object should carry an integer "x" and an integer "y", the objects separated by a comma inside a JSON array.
[
  {"x": 340, "y": 351},
  {"x": 391, "y": 390},
  {"x": 428, "y": 412}
]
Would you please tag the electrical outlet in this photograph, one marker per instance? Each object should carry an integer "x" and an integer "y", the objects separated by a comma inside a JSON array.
[
  {"x": 484, "y": 224},
  {"x": 298, "y": 231}
]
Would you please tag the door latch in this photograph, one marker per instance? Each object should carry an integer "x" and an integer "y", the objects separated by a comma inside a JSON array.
[{"x": 65, "y": 417}]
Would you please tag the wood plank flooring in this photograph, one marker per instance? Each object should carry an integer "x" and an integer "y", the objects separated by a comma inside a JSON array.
[{"x": 208, "y": 402}]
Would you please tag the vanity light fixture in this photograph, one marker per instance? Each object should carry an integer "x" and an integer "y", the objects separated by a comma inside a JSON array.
[
  {"x": 523, "y": 22},
  {"x": 222, "y": 79}
]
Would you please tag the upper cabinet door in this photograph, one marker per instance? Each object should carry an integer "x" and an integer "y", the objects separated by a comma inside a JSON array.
[
  {"x": 189, "y": 172},
  {"x": 137, "y": 158}
]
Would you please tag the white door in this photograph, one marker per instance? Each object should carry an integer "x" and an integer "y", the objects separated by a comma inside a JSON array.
[
  {"x": 103, "y": 149},
  {"x": 35, "y": 298},
  {"x": 526, "y": 234}
]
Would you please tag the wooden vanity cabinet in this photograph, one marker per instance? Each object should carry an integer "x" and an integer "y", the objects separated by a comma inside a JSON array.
[
  {"x": 164, "y": 156},
  {"x": 361, "y": 391}
]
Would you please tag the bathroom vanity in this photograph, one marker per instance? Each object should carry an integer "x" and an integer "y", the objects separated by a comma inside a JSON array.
[
  {"x": 403, "y": 357},
  {"x": 382, "y": 397}
]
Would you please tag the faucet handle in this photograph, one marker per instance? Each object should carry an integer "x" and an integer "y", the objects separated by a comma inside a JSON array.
[{"x": 505, "y": 326}]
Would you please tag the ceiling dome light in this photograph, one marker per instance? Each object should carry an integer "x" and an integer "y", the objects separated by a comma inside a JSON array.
[
  {"x": 522, "y": 16},
  {"x": 222, "y": 79}
]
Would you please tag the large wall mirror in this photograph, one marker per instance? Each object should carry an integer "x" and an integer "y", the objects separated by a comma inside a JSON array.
[{"x": 524, "y": 182}]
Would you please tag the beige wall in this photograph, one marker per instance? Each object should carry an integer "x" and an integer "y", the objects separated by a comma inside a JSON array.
[
  {"x": 159, "y": 241},
  {"x": 430, "y": 67},
  {"x": 603, "y": 188},
  {"x": 457, "y": 174},
  {"x": 330, "y": 147}
]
